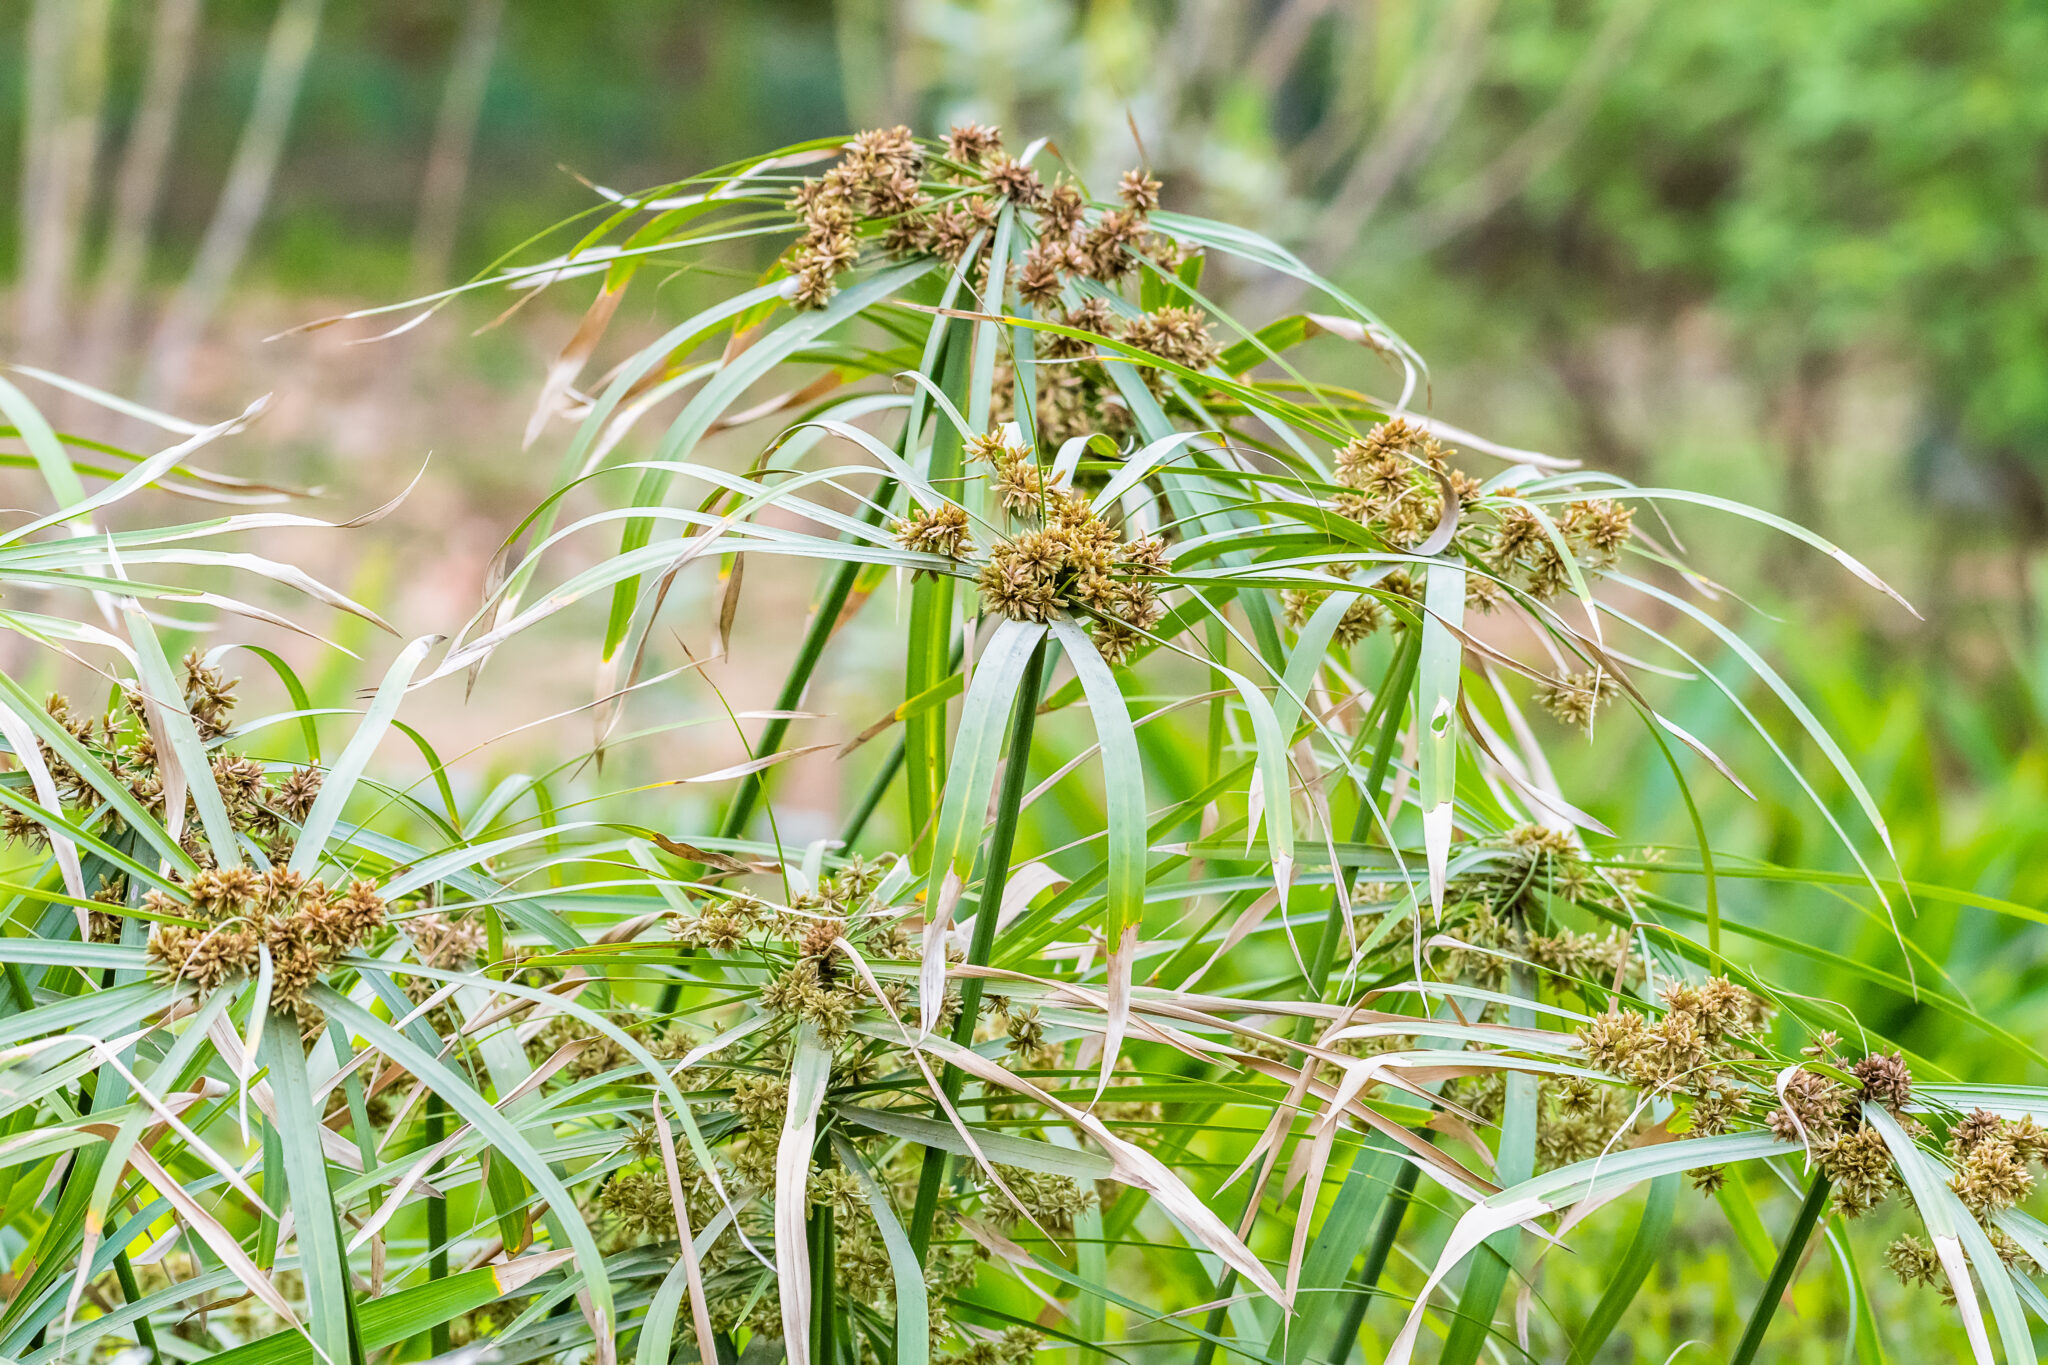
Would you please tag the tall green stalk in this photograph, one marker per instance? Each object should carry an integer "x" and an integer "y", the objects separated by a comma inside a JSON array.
[
  {"x": 1787, "y": 1265},
  {"x": 1384, "y": 1234},
  {"x": 1388, "y": 709},
  {"x": 824, "y": 620},
  {"x": 929, "y": 637},
  {"x": 437, "y": 1219},
  {"x": 995, "y": 876}
]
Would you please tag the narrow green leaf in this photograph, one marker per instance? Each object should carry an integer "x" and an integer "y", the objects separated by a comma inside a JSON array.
[
  {"x": 51, "y": 457},
  {"x": 165, "y": 696},
  {"x": 1436, "y": 715},
  {"x": 321, "y": 1258},
  {"x": 997, "y": 1146},
  {"x": 1319, "y": 1299},
  {"x": 1645, "y": 1249},
  {"x": 341, "y": 779},
  {"x": 403, "y": 1313},
  {"x": 501, "y": 1133},
  {"x": 977, "y": 749},
  {"x": 1123, "y": 777},
  {"x": 913, "y": 1316}
]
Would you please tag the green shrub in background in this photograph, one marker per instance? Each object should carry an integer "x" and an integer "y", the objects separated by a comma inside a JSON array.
[{"x": 1211, "y": 966}]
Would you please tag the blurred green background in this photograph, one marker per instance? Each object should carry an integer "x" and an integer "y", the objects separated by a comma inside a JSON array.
[{"x": 1789, "y": 251}]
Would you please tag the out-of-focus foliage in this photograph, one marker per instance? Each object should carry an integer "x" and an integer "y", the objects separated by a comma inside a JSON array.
[{"x": 1831, "y": 176}]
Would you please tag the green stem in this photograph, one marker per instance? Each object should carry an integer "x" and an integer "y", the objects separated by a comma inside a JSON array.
[
  {"x": 1389, "y": 707},
  {"x": 994, "y": 878},
  {"x": 1515, "y": 1161},
  {"x": 132, "y": 1292},
  {"x": 1699, "y": 830},
  {"x": 17, "y": 985},
  {"x": 1376, "y": 1252},
  {"x": 273, "y": 1178},
  {"x": 831, "y": 603},
  {"x": 870, "y": 799},
  {"x": 822, "y": 1285},
  {"x": 437, "y": 1222},
  {"x": 1789, "y": 1257},
  {"x": 1226, "y": 1285}
]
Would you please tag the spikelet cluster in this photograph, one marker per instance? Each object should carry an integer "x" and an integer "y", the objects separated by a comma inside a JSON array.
[
  {"x": 889, "y": 190},
  {"x": 878, "y": 181},
  {"x": 242, "y": 915},
  {"x": 261, "y": 804},
  {"x": 1536, "y": 557},
  {"x": 1394, "y": 478},
  {"x": 1994, "y": 1157},
  {"x": 889, "y": 195},
  {"x": 1700, "y": 1032},
  {"x": 1575, "y": 698},
  {"x": 1492, "y": 905},
  {"x": 1011, "y": 1346},
  {"x": 1051, "y": 1202},
  {"x": 1067, "y": 559}
]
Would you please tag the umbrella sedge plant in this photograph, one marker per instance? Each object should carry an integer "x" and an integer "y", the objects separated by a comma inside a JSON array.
[{"x": 1316, "y": 1019}]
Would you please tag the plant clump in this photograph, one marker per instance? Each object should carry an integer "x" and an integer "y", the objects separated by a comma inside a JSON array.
[{"x": 816, "y": 962}]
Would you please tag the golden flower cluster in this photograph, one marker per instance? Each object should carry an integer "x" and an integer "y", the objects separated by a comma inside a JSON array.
[
  {"x": 1523, "y": 552},
  {"x": 878, "y": 179},
  {"x": 1393, "y": 479},
  {"x": 243, "y": 915},
  {"x": 1700, "y": 1032},
  {"x": 885, "y": 185},
  {"x": 259, "y": 804},
  {"x": 1575, "y": 698},
  {"x": 1070, "y": 561},
  {"x": 1495, "y": 901},
  {"x": 1178, "y": 335}
]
